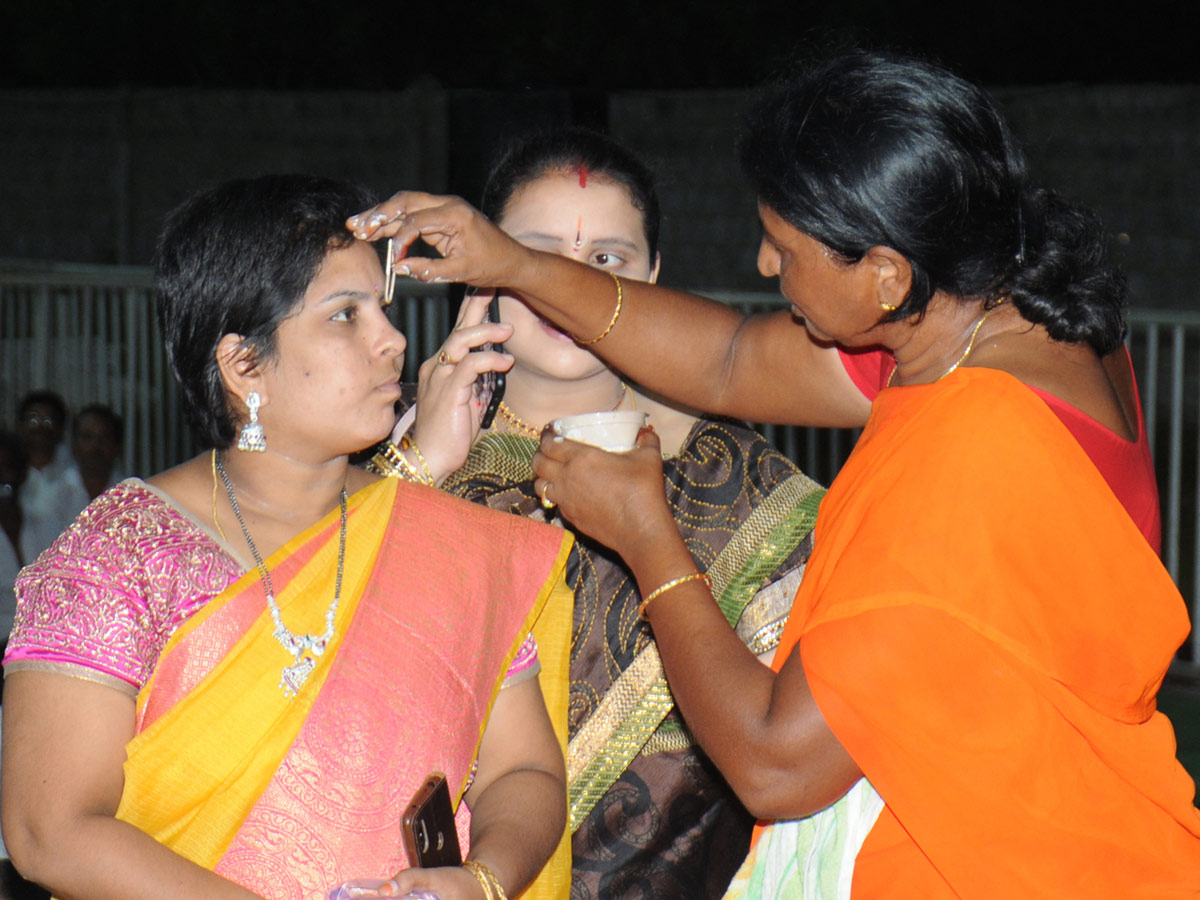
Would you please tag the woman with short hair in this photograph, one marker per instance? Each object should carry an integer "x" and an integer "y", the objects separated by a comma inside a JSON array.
[{"x": 229, "y": 680}]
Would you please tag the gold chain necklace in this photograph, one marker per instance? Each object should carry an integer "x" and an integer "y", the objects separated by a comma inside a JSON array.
[
  {"x": 970, "y": 346},
  {"x": 520, "y": 426}
]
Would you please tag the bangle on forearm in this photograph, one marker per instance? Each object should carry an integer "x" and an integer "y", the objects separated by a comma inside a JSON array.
[
  {"x": 407, "y": 443},
  {"x": 673, "y": 583},
  {"x": 611, "y": 322},
  {"x": 390, "y": 461},
  {"x": 486, "y": 878}
]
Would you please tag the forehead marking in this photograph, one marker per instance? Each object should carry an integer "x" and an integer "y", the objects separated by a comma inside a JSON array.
[
  {"x": 583, "y": 174},
  {"x": 579, "y": 234}
]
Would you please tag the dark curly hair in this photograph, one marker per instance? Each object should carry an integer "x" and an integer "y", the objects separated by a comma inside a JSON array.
[{"x": 870, "y": 149}]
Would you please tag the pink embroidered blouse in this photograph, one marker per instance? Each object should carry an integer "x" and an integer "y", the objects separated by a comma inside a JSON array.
[{"x": 106, "y": 597}]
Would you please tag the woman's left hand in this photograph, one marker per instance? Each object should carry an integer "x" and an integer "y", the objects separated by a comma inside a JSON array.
[
  {"x": 448, "y": 411},
  {"x": 617, "y": 498},
  {"x": 448, "y": 883}
]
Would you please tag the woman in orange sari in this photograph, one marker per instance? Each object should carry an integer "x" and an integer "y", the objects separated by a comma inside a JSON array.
[
  {"x": 229, "y": 680},
  {"x": 983, "y": 624}
]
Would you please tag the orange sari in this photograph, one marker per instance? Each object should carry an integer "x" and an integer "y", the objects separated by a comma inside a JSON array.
[
  {"x": 984, "y": 629},
  {"x": 290, "y": 796}
]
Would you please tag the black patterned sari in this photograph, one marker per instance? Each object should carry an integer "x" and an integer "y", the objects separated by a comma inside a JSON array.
[{"x": 651, "y": 816}]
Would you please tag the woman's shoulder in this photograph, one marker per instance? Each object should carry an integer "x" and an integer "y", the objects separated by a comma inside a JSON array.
[
  {"x": 116, "y": 535},
  {"x": 124, "y": 511}
]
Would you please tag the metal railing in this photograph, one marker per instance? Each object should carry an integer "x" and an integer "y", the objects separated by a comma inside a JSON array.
[{"x": 88, "y": 333}]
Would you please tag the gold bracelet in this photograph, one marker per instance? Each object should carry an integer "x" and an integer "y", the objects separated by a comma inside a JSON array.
[
  {"x": 673, "y": 583},
  {"x": 389, "y": 461},
  {"x": 407, "y": 443},
  {"x": 486, "y": 878},
  {"x": 611, "y": 322}
]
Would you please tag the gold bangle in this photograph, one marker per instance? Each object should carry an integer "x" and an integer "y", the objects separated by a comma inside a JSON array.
[
  {"x": 486, "y": 878},
  {"x": 673, "y": 583},
  {"x": 407, "y": 443},
  {"x": 389, "y": 461},
  {"x": 611, "y": 322}
]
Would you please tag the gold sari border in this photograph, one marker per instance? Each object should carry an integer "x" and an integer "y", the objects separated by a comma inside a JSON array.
[{"x": 639, "y": 700}]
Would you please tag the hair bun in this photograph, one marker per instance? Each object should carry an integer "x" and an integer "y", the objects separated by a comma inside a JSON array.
[{"x": 1066, "y": 279}]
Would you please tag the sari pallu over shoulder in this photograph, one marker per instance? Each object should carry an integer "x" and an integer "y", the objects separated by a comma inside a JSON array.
[
  {"x": 984, "y": 628},
  {"x": 289, "y": 796}
]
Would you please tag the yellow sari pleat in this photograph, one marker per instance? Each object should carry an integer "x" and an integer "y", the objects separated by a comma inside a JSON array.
[
  {"x": 552, "y": 631},
  {"x": 235, "y": 730}
]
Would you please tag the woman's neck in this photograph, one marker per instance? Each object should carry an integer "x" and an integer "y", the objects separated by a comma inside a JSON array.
[
  {"x": 536, "y": 399},
  {"x": 277, "y": 496},
  {"x": 929, "y": 348}
]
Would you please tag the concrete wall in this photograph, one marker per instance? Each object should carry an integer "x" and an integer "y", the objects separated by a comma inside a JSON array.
[
  {"x": 1130, "y": 152},
  {"x": 88, "y": 175}
]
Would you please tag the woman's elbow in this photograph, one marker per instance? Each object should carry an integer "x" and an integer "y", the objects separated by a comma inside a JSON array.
[
  {"x": 791, "y": 792},
  {"x": 31, "y": 843}
]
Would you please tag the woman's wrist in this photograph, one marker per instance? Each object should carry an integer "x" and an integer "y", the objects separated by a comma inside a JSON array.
[
  {"x": 656, "y": 553},
  {"x": 488, "y": 882}
]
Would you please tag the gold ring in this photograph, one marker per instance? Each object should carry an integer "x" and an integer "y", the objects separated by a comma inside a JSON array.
[
  {"x": 547, "y": 503},
  {"x": 443, "y": 359}
]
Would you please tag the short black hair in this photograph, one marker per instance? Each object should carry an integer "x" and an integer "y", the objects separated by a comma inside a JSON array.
[
  {"x": 871, "y": 149},
  {"x": 568, "y": 150},
  {"x": 116, "y": 424},
  {"x": 44, "y": 398},
  {"x": 237, "y": 259}
]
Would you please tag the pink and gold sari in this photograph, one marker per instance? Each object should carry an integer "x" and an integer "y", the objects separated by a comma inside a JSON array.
[{"x": 289, "y": 796}]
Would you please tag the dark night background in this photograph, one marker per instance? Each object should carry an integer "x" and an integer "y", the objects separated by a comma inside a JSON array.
[{"x": 307, "y": 45}]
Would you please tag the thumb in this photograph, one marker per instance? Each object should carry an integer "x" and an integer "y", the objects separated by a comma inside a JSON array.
[{"x": 648, "y": 437}]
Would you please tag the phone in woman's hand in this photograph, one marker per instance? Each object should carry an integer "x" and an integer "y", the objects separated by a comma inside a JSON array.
[
  {"x": 430, "y": 837},
  {"x": 489, "y": 386}
]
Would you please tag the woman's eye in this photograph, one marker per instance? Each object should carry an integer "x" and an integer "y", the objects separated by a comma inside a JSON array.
[
  {"x": 344, "y": 315},
  {"x": 606, "y": 260}
]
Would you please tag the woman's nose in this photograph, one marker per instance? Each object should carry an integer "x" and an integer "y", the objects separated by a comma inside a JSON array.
[{"x": 768, "y": 260}]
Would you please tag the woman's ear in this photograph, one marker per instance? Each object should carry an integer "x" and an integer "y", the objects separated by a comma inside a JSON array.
[
  {"x": 889, "y": 274},
  {"x": 653, "y": 279},
  {"x": 238, "y": 365}
]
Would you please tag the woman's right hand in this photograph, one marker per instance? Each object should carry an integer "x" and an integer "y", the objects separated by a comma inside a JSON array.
[
  {"x": 448, "y": 412},
  {"x": 617, "y": 498},
  {"x": 473, "y": 250}
]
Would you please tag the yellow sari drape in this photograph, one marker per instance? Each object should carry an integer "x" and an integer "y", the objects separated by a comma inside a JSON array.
[{"x": 289, "y": 796}]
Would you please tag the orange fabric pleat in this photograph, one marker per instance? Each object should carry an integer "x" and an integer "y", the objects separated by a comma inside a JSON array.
[{"x": 985, "y": 629}]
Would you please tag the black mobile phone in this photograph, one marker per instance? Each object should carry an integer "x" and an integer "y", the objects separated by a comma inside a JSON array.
[
  {"x": 430, "y": 838},
  {"x": 489, "y": 386}
]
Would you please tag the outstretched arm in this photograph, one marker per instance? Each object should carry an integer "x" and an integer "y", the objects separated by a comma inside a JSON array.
[
  {"x": 767, "y": 737},
  {"x": 689, "y": 349}
]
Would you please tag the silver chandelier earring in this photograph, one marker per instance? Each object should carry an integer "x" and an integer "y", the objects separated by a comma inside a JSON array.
[{"x": 252, "y": 439}]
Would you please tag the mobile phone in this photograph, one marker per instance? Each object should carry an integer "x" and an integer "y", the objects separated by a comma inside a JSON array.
[
  {"x": 430, "y": 838},
  {"x": 489, "y": 386}
]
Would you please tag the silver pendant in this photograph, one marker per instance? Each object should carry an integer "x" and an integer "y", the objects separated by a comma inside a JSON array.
[{"x": 295, "y": 675}]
